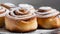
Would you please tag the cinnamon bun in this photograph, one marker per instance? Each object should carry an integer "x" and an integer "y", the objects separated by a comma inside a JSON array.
[
  {"x": 8, "y": 5},
  {"x": 3, "y": 12},
  {"x": 21, "y": 20},
  {"x": 47, "y": 17}
]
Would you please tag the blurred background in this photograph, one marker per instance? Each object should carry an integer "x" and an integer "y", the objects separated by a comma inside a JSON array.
[{"x": 36, "y": 3}]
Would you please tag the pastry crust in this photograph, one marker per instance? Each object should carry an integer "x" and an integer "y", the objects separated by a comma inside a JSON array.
[
  {"x": 52, "y": 22},
  {"x": 2, "y": 21},
  {"x": 3, "y": 12},
  {"x": 47, "y": 17},
  {"x": 21, "y": 25},
  {"x": 21, "y": 20}
]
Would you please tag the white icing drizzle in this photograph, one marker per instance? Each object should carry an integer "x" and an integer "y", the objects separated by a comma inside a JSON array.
[
  {"x": 45, "y": 8},
  {"x": 4, "y": 10},
  {"x": 27, "y": 7},
  {"x": 9, "y": 4},
  {"x": 20, "y": 17},
  {"x": 59, "y": 15},
  {"x": 49, "y": 13}
]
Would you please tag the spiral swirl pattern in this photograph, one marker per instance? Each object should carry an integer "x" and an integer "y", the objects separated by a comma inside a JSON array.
[
  {"x": 48, "y": 12},
  {"x": 20, "y": 13},
  {"x": 3, "y": 11}
]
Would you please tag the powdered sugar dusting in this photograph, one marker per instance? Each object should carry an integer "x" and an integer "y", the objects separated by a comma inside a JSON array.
[
  {"x": 10, "y": 4},
  {"x": 27, "y": 7},
  {"x": 5, "y": 11},
  {"x": 51, "y": 12},
  {"x": 20, "y": 17},
  {"x": 45, "y": 8}
]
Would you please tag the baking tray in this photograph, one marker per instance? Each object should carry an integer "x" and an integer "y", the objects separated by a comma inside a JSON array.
[{"x": 38, "y": 31}]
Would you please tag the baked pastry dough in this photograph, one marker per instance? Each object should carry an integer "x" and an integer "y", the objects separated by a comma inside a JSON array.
[
  {"x": 21, "y": 19},
  {"x": 47, "y": 17},
  {"x": 3, "y": 12},
  {"x": 8, "y": 5}
]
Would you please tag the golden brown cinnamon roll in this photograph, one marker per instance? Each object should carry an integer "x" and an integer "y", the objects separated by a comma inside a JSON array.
[
  {"x": 8, "y": 5},
  {"x": 3, "y": 12},
  {"x": 48, "y": 17},
  {"x": 21, "y": 19}
]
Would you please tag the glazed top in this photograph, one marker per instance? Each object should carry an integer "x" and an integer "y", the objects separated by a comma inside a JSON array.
[
  {"x": 24, "y": 11},
  {"x": 44, "y": 12},
  {"x": 3, "y": 11},
  {"x": 9, "y": 5}
]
